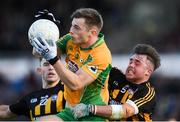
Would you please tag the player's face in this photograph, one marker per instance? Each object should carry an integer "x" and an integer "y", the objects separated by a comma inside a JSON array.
[
  {"x": 137, "y": 69},
  {"x": 48, "y": 72},
  {"x": 80, "y": 33}
]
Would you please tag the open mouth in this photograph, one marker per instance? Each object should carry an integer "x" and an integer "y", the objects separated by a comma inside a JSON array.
[
  {"x": 130, "y": 71},
  {"x": 51, "y": 74}
]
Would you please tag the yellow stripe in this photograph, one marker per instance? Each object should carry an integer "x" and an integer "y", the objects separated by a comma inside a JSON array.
[
  {"x": 144, "y": 96},
  {"x": 144, "y": 100},
  {"x": 31, "y": 116},
  {"x": 37, "y": 110},
  {"x": 123, "y": 100},
  {"x": 115, "y": 93},
  {"x": 135, "y": 118},
  {"x": 152, "y": 92},
  {"x": 148, "y": 99},
  {"x": 59, "y": 101},
  {"x": 48, "y": 106},
  {"x": 147, "y": 84},
  {"x": 147, "y": 117}
]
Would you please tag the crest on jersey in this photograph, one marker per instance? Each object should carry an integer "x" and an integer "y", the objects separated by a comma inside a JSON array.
[
  {"x": 54, "y": 97},
  {"x": 131, "y": 93}
]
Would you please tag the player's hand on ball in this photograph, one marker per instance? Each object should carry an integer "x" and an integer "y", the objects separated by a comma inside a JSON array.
[{"x": 43, "y": 48}]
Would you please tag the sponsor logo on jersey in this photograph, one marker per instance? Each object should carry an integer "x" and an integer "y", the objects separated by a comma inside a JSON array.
[
  {"x": 116, "y": 83},
  {"x": 33, "y": 100},
  {"x": 72, "y": 66}
]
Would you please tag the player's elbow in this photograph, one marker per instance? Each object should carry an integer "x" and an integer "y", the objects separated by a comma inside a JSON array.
[
  {"x": 128, "y": 110},
  {"x": 76, "y": 87}
]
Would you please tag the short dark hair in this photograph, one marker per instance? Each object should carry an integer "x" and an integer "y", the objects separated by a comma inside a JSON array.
[
  {"x": 92, "y": 17},
  {"x": 151, "y": 53}
]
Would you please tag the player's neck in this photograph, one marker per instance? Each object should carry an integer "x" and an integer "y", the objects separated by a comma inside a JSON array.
[
  {"x": 47, "y": 85},
  {"x": 140, "y": 81},
  {"x": 90, "y": 42}
]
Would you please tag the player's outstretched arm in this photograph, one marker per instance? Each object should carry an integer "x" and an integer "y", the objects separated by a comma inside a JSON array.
[
  {"x": 5, "y": 112},
  {"x": 113, "y": 112}
]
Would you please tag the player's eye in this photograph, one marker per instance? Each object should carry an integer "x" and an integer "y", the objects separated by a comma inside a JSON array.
[
  {"x": 76, "y": 27},
  {"x": 46, "y": 64}
]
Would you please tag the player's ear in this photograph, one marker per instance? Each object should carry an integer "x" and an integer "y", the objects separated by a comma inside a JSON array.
[
  {"x": 148, "y": 72},
  {"x": 39, "y": 70},
  {"x": 94, "y": 31}
]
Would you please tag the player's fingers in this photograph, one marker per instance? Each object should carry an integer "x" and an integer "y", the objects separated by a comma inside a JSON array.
[
  {"x": 53, "y": 43},
  {"x": 38, "y": 41},
  {"x": 44, "y": 42},
  {"x": 36, "y": 46}
]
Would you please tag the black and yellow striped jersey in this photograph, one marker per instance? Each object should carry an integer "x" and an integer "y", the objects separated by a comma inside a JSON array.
[
  {"x": 39, "y": 103},
  {"x": 143, "y": 95}
]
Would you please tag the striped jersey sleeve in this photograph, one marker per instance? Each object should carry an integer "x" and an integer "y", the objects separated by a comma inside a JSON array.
[{"x": 145, "y": 98}]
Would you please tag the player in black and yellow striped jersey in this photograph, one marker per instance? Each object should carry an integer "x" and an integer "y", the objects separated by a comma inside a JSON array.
[
  {"x": 46, "y": 101},
  {"x": 143, "y": 95},
  {"x": 132, "y": 96}
]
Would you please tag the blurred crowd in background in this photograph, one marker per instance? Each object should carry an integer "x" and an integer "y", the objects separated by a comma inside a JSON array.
[{"x": 126, "y": 23}]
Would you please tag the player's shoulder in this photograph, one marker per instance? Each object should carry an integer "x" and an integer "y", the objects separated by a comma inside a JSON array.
[
  {"x": 63, "y": 41},
  {"x": 66, "y": 37},
  {"x": 145, "y": 96},
  {"x": 116, "y": 74},
  {"x": 34, "y": 93},
  {"x": 116, "y": 78},
  {"x": 146, "y": 89}
]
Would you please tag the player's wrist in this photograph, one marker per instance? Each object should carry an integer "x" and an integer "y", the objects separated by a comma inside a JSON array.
[
  {"x": 117, "y": 112},
  {"x": 52, "y": 61},
  {"x": 92, "y": 109}
]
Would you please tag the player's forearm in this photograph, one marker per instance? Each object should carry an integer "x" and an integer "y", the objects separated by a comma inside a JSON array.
[
  {"x": 104, "y": 111},
  {"x": 5, "y": 112},
  {"x": 115, "y": 112},
  {"x": 67, "y": 77}
]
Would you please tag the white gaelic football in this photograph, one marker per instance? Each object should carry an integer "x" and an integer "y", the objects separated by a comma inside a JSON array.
[{"x": 44, "y": 28}]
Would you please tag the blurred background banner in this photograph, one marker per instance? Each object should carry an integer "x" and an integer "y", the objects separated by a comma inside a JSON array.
[{"x": 126, "y": 23}]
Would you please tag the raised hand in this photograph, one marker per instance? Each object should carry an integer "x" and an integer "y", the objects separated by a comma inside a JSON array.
[{"x": 47, "y": 51}]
